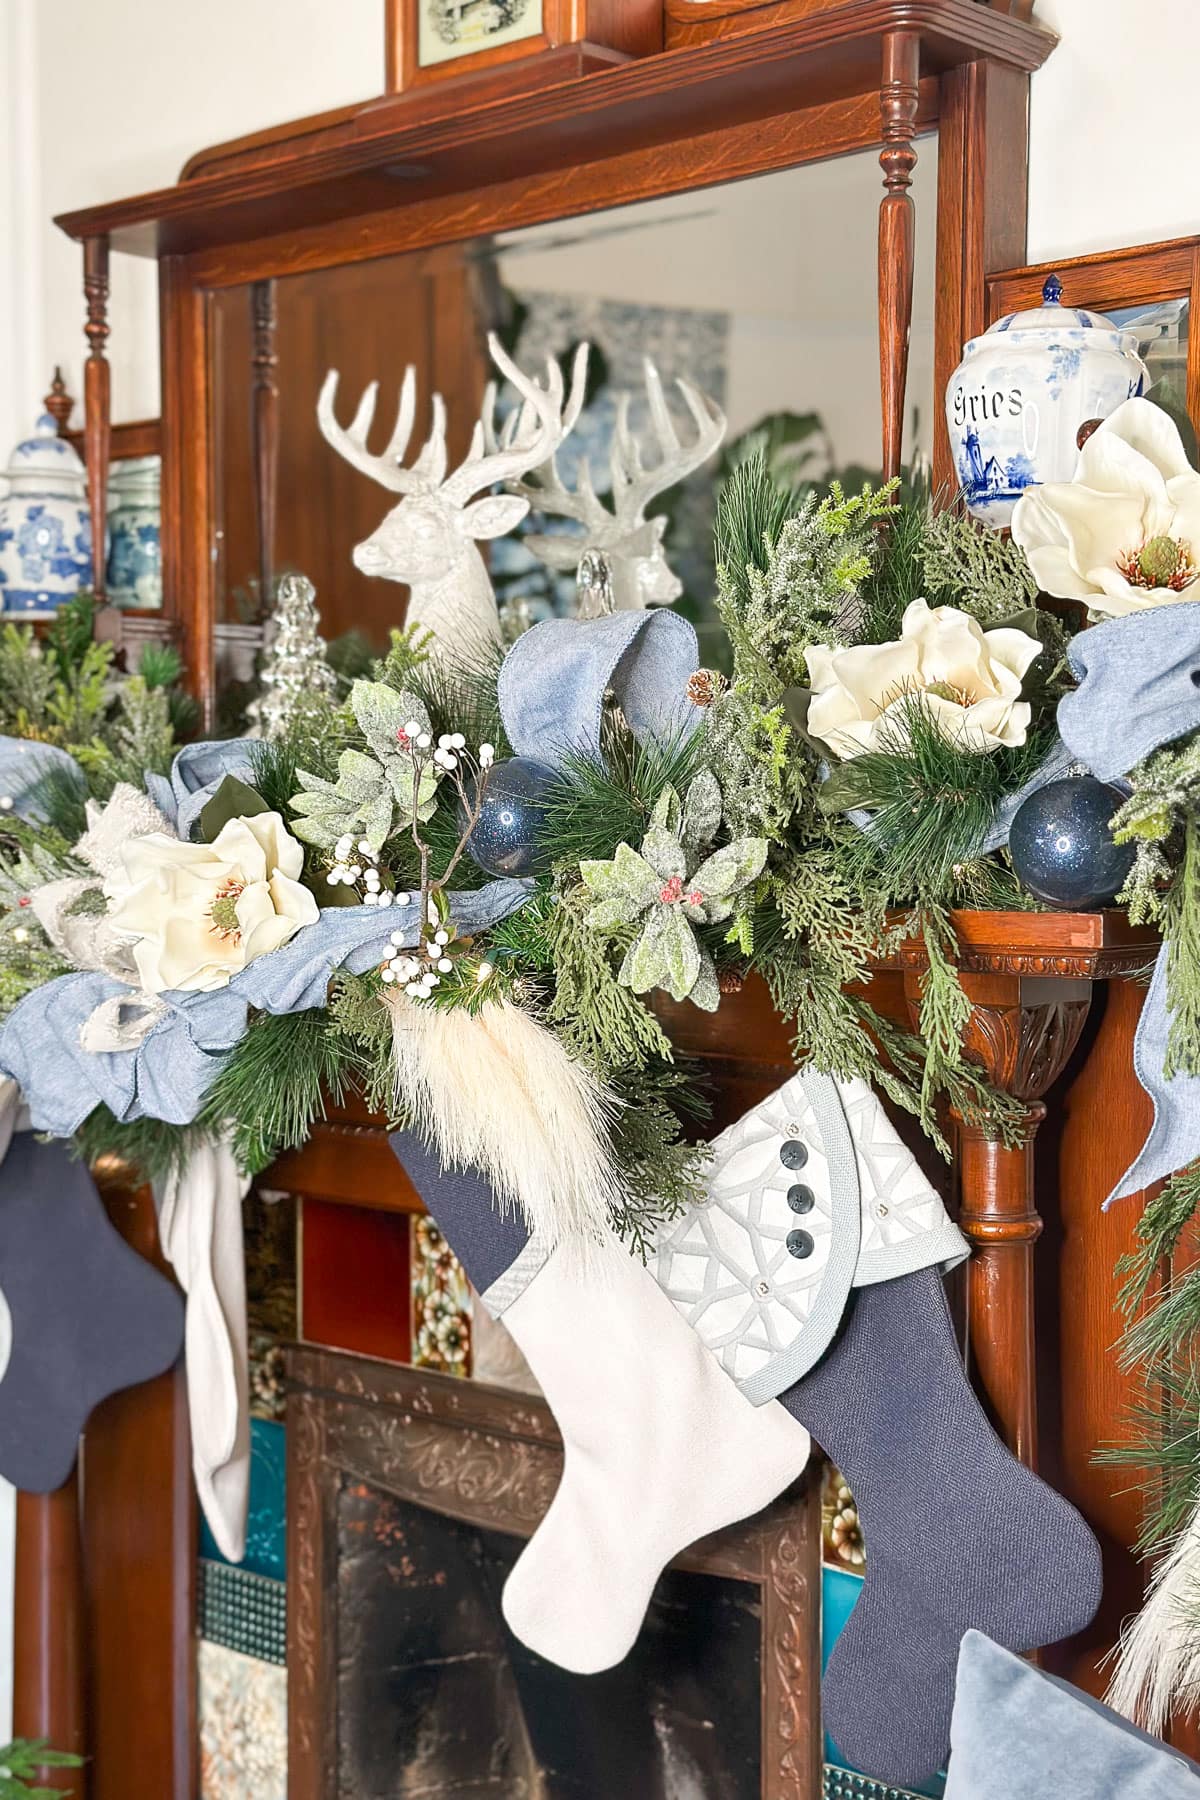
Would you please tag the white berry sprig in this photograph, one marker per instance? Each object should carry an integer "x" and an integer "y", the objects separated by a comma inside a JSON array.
[{"x": 356, "y": 865}]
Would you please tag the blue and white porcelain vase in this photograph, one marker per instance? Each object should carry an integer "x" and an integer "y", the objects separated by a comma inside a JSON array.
[
  {"x": 134, "y": 552},
  {"x": 1016, "y": 401},
  {"x": 45, "y": 531}
]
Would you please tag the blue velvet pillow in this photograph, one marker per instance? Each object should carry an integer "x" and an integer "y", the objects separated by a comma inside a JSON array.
[{"x": 1018, "y": 1734}]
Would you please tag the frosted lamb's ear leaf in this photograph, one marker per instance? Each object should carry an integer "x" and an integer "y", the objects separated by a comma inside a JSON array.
[
  {"x": 667, "y": 814},
  {"x": 380, "y": 715},
  {"x": 701, "y": 811},
  {"x": 664, "y": 852},
  {"x": 377, "y": 820},
  {"x": 731, "y": 868},
  {"x": 666, "y": 955},
  {"x": 706, "y": 990},
  {"x": 627, "y": 876}
]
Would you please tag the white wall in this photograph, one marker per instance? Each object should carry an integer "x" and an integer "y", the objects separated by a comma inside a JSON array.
[
  {"x": 1112, "y": 116},
  {"x": 121, "y": 93}
]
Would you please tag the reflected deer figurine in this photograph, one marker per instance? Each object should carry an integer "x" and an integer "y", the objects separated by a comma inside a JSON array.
[
  {"x": 619, "y": 557},
  {"x": 429, "y": 540}
]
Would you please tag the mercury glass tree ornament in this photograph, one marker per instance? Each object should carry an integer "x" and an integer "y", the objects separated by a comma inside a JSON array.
[{"x": 296, "y": 679}]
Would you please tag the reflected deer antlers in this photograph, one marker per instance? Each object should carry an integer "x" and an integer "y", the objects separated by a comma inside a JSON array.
[{"x": 630, "y": 543}]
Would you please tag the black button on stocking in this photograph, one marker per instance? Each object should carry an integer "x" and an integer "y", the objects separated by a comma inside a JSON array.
[
  {"x": 799, "y": 1243},
  {"x": 793, "y": 1154}
]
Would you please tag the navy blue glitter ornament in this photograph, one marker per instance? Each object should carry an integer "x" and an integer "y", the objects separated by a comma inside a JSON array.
[
  {"x": 505, "y": 840},
  {"x": 1061, "y": 847}
]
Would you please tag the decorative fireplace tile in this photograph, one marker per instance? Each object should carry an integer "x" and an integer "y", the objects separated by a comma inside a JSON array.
[
  {"x": 441, "y": 1301},
  {"x": 242, "y": 1611},
  {"x": 843, "y": 1784},
  {"x": 266, "y": 1528},
  {"x": 243, "y": 1726},
  {"x": 841, "y": 1533}
]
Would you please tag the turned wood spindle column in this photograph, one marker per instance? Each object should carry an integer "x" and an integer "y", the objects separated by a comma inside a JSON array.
[
  {"x": 1022, "y": 1031},
  {"x": 97, "y": 398},
  {"x": 58, "y": 403},
  {"x": 264, "y": 426},
  {"x": 898, "y": 96},
  {"x": 48, "y": 1637}
]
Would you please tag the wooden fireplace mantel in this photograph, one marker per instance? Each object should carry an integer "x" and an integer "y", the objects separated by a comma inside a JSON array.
[{"x": 1031, "y": 978}]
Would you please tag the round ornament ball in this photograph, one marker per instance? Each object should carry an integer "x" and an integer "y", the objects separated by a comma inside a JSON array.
[
  {"x": 505, "y": 838},
  {"x": 1061, "y": 846}
]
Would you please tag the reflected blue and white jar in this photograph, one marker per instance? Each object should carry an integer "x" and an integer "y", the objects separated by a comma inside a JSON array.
[
  {"x": 1016, "y": 402},
  {"x": 45, "y": 531},
  {"x": 134, "y": 533}
]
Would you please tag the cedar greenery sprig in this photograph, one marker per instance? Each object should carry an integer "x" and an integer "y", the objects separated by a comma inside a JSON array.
[{"x": 22, "y": 1761}]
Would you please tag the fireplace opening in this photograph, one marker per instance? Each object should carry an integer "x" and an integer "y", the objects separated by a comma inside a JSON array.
[{"x": 436, "y": 1698}]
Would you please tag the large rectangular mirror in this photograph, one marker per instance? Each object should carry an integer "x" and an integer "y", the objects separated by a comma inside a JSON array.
[{"x": 761, "y": 292}]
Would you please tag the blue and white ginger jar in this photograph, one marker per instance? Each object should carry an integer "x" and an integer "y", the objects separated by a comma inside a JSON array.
[
  {"x": 1016, "y": 401},
  {"x": 45, "y": 531},
  {"x": 134, "y": 549}
]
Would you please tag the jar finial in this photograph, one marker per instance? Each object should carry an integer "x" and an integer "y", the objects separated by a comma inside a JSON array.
[{"x": 1052, "y": 290}]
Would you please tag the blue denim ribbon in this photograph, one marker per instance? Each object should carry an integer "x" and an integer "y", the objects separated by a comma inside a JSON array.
[
  {"x": 1139, "y": 688},
  {"x": 554, "y": 680},
  {"x": 24, "y": 768},
  {"x": 196, "y": 774},
  {"x": 168, "y": 1074}
]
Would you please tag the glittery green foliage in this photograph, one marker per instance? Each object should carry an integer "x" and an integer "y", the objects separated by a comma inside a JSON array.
[
  {"x": 373, "y": 793},
  {"x": 802, "y": 586},
  {"x": 670, "y": 887},
  {"x": 1161, "y": 819}
]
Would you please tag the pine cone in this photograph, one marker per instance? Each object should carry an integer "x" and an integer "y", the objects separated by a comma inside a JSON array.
[{"x": 705, "y": 686}]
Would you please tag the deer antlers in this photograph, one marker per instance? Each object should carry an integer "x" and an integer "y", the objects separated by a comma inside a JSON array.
[{"x": 536, "y": 430}]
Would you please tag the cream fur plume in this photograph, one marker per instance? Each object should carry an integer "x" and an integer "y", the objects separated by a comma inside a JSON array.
[
  {"x": 499, "y": 1092},
  {"x": 1158, "y": 1657}
]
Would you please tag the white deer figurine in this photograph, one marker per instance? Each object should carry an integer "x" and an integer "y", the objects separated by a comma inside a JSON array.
[
  {"x": 429, "y": 539},
  {"x": 619, "y": 557}
]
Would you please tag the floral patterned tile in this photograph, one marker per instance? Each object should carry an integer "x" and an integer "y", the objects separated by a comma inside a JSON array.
[
  {"x": 441, "y": 1303},
  {"x": 243, "y": 1726}
]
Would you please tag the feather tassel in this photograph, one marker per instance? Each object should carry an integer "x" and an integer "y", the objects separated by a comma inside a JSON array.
[
  {"x": 1158, "y": 1657},
  {"x": 497, "y": 1091}
]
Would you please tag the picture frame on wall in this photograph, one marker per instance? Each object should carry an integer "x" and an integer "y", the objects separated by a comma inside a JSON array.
[{"x": 430, "y": 40}]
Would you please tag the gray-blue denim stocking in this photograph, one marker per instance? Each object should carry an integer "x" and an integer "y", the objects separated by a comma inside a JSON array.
[{"x": 959, "y": 1534}]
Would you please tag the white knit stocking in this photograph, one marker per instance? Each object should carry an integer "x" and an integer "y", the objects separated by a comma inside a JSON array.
[{"x": 661, "y": 1449}]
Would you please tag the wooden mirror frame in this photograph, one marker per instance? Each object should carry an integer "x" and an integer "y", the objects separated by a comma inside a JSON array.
[
  {"x": 774, "y": 87},
  {"x": 409, "y": 171},
  {"x": 1141, "y": 275}
]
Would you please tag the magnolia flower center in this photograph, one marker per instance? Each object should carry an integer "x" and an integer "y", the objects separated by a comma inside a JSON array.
[
  {"x": 949, "y": 690},
  {"x": 1161, "y": 562},
  {"x": 223, "y": 911}
]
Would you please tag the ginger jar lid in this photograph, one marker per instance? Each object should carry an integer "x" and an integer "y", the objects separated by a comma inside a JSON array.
[
  {"x": 1052, "y": 321},
  {"x": 45, "y": 457}
]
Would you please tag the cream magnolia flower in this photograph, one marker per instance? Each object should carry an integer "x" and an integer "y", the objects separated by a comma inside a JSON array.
[
  {"x": 201, "y": 912},
  {"x": 1124, "y": 533},
  {"x": 968, "y": 679}
]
